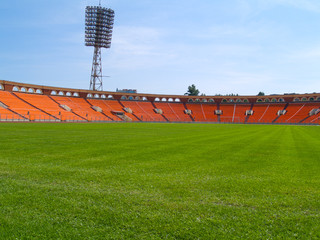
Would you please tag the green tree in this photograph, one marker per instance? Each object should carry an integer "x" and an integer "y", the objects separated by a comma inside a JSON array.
[
  {"x": 261, "y": 94},
  {"x": 192, "y": 91}
]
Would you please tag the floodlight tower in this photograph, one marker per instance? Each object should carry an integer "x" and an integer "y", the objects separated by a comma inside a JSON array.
[{"x": 98, "y": 33}]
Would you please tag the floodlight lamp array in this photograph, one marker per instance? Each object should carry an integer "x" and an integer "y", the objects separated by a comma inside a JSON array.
[{"x": 99, "y": 25}]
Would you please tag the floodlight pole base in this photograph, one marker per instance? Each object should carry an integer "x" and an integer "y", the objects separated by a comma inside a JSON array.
[{"x": 96, "y": 72}]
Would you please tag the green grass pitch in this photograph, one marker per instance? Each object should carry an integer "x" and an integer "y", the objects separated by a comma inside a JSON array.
[{"x": 159, "y": 181}]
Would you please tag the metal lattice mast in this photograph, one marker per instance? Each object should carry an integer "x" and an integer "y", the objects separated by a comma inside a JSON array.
[
  {"x": 99, "y": 25},
  {"x": 96, "y": 72}
]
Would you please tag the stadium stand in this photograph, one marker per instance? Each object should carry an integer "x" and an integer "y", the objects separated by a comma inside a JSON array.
[
  {"x": 111, "y": 107},
  {"x": 106, "y": 109},
  {"x": 46, "y": 104},
  {"x": 179, "y": 110},
  {"x": 313, "y": 120},
  {"x": 22, "y": 108},
  {"x": 131, "y": 114},
  {"x": 265, "y": 113},
  {"x": 198, "y": 112},
  {"x": 27, "y": 102},
  {"x": 168, "y": 112},
  {"x": 297, "y": 112},
  {"x": 81, "y": 108},
  {"x": 228, "y": 112},
  {"x": 7, "y": 115},
  {"x": 144, "y": 111},
  {"x": 209, "y": 110},
  {"x": 240, "y": 112}
]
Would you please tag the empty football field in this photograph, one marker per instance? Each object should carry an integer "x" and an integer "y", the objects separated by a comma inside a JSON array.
[{"x": 159, "y": 181}]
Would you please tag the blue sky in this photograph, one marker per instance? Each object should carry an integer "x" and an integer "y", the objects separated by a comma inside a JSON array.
[{"x": 163, "y": 46}]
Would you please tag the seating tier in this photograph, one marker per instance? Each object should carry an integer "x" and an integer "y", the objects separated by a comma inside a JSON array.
[
  {"x": 144, "y": 111},
  {"x": 81, "y": 108},
  {"x": 24, "y": 109}
]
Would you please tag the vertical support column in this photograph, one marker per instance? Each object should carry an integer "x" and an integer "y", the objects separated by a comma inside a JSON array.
[{"x": 96, "y": 72}]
